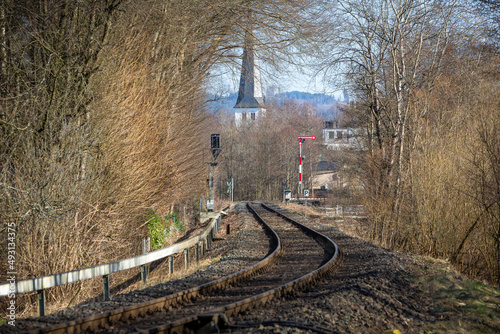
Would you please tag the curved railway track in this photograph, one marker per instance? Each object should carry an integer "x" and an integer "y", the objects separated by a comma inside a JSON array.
[{"x": 298, "y": 256}]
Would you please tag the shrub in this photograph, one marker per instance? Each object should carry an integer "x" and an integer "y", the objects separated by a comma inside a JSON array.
[
  {"x": 178, "y": 224},
  {"x": 158, "y": 230}
]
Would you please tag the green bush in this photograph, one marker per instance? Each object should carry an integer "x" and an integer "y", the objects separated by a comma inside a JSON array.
[
  {"x": 159, "y": 228},
  {"x": 178, "y": 224}
]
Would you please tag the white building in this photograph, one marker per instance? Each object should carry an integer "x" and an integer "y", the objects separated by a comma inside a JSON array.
[{"x": 340, "y": 138}]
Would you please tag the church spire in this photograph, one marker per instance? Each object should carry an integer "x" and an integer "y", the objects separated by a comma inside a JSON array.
[{"x": 250, "y": 91}]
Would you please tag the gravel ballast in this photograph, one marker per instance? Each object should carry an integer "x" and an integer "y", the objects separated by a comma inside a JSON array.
[
  {"x": 373, "y": 290},
  {"x": 378, "y": 291}
]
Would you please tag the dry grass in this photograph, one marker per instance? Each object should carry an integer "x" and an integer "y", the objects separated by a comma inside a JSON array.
[
  {"x": 466, "y": 306},
  {"x": 111, "y": 144},
  {"x": 445, "y": 204}
]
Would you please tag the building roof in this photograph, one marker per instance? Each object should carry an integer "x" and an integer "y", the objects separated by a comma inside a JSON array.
[
  {"x": 250, "y": 91},
  {"x": 324, "y": 166}
]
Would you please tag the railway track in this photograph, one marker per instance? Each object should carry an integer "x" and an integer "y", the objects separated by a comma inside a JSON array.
[{"x": 298, "y": 256}]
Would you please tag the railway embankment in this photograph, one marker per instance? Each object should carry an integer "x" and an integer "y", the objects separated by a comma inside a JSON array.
[{"x": 373, "y": 290}]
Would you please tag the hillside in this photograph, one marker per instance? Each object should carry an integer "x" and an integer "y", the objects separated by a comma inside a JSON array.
[{"x": 326, "y": 104}]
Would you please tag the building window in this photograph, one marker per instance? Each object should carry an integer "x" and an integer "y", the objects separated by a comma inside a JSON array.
[
  {"x": 252, "y": 115},
  {"x": 339, "y": 134},
  {"x": 244, "y": 116},
  {"x": 328, "y": 125},
  {"x": 331, "y": 134}
]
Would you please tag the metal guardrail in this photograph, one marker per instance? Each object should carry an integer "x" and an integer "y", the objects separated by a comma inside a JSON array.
[
  {"x": 41, "y": 283},
  {"x": 346, "y": 210}
]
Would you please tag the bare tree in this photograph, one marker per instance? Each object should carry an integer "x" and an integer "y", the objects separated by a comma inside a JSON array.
[
  {"x": 262, "y": 155},
  {"x": 491, "y": 8},
  {"x": 387, "y": 50},
  {"x": 102, "y": 117},
  {"x": 424, "y": 84}
]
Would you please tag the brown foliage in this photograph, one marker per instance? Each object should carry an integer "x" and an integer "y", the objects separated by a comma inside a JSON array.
[
  {"x": 98, "y": 127},
  {"x": 102, "y": 119},
  {"x": 448, "y": 204},
  {"x": 49, "y": 155},
  {"x": 262, "y": 154},
  {"x": 455, "y": 169},
  {"x": 427, "y": 95}
]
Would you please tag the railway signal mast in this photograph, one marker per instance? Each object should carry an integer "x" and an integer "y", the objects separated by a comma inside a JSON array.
[
  {"x": 215, "y": 149},
  {"x": 301, "y": 139}
]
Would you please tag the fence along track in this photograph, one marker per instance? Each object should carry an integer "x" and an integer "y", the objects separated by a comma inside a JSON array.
[
  {"x": 167, "y": 303},
  {"x": 218, "y": 314},
  {"x": 40, "y": 284}
]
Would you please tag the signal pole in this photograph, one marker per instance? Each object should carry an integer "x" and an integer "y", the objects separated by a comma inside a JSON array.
[
  {"x": 301, "y": 140},
  {"x": 215, "y": 149}
]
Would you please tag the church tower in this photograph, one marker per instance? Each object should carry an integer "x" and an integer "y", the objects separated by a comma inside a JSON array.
[{"x": 250, "y": 102}]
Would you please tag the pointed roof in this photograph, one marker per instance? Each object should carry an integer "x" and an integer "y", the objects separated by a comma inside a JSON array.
[{"x": 250, "y": 92}]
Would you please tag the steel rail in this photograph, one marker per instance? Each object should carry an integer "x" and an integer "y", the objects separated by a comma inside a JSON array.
[
  {"x": 104, "y": 320},
  {"x": 219, "y": 316}
]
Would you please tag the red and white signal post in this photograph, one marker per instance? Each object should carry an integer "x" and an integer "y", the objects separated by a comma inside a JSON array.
[{"x": 301, "y": 140}]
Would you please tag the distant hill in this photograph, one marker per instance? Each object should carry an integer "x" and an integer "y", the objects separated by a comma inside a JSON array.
[
  {"x": 314, "y": 98},
  {"x": 327, "y": 105},
  {"x": 221, "y": 103}
]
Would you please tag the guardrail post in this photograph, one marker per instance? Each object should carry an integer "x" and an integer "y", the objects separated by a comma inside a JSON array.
[
  {"x": 186, "y": 258},
  {"x": 171, "y": 264},
  {"x": 40, "y": 298},
  {"x": 202, "y": 247},
  {"x": 105, "y": 287},
  {"x": 144, "y": 273},
  {"x": 197, "y": 252}
]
